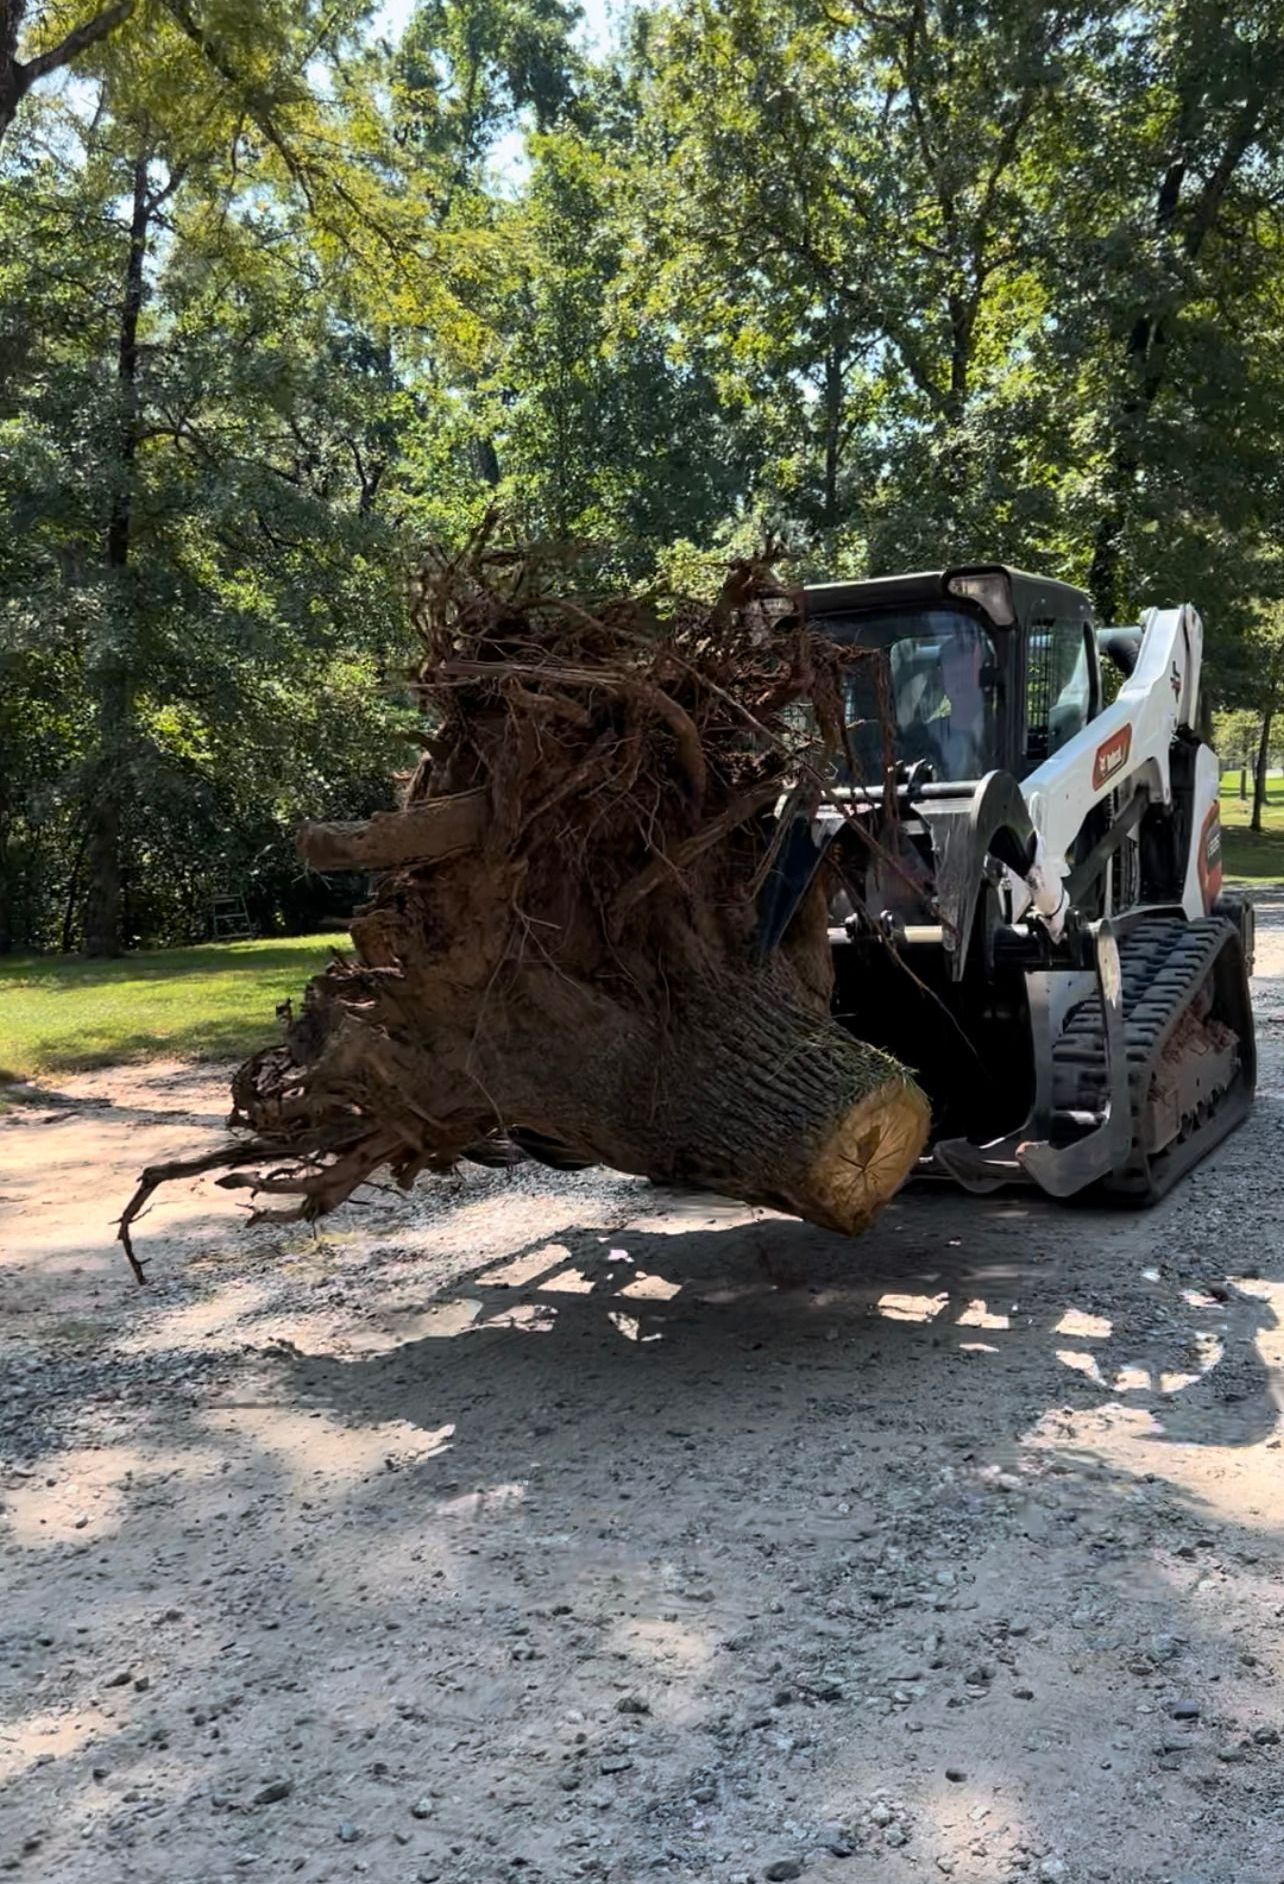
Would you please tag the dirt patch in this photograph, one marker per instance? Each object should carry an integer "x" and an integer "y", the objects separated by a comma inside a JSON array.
[{"x": 556, "y": 1526}]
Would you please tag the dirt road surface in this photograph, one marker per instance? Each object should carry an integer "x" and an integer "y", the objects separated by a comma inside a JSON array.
[{"x": 543, "y": 1528}]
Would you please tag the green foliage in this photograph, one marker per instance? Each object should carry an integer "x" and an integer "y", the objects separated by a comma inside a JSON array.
[{"x": 280, "y": 299}]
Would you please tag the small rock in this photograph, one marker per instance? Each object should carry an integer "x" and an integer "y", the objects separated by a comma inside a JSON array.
[
  {"x": 632, "y": 1704},
  {"x": 1052, "y": 1870},
  {"x": 895, "y": 1835},
  {"x": 955, "y": 1773},
  {"x": 274, "y": 1790},
  {"x": 1184, "y": 1710},
  {"x": 979, "y": 1677},
  {"x": 880, "y": 1814},
  {"x": 948, "y": 1865},
  {"x": 1266, "y": 1736},
  {"x": 422, "y": 1808},
  {"x": 619, "y": 1764},
  {"x": 347, "y": 1833},
  {"x": 121, "y": 1680},
  {"x": 705, "y": 1795},
  {"x": 783, "y": 1868},
  {"x": 1023, "y": 1694},
  {"x": 142, "y": 1684}
]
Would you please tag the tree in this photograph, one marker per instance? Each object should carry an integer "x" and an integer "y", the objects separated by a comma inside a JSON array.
[
  {"x": 1189, "y": 157},
  {"x": 1257, "y": 679},
  {"x": 202, "y": 437},
  {"x": 64, "y": 44}
]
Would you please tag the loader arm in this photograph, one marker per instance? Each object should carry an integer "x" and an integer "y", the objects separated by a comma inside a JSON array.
[{"x": 1127, "y": 747}]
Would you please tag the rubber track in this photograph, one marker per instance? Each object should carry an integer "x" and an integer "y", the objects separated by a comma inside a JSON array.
[{"x": 1164, "y": 965}]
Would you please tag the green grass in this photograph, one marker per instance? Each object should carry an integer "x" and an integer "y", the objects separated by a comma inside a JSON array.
[
  {"x": 59, "y": 1012},
  {"x": 1253, "y": 857}
]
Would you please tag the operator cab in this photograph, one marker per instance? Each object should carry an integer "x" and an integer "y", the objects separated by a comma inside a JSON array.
[{"x": 970, "y": 670}]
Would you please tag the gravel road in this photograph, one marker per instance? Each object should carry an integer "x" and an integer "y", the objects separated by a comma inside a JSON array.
[{"x": 552, "y": 1528}]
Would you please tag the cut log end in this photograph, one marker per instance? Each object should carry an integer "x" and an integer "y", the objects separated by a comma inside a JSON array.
[{"x": 868, "y": 1156}]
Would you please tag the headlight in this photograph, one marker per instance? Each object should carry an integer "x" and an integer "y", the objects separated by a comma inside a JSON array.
[{"x": 990, "y": 590}]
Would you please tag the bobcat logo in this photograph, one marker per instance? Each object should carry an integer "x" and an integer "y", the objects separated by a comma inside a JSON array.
[{"x": 1112, "y": 757}]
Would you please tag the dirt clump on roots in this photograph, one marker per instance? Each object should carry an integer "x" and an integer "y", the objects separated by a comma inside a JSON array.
[{"x": 563, "y": 949}]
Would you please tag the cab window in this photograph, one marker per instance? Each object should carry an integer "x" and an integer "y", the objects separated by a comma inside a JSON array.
[
  {"x": 932, "y": 672},
  {"x": 1058, "y": 686}
]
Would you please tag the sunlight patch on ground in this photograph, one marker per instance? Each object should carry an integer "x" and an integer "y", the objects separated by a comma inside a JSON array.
[
  {"x": 88, "y": 1497},
  {"x": 568, "y": 1282},
  {"x": 652, "y": 1289},
  {"x": 1081, "y": 1363},
  {"x": 978, "y": 1315},
  {"x": 1084, "y": 1327},
  {"x": 911, "y": 1307},
  {"x": 975, "y": 1830},
  {"x": 1132, "y": 1378},
  {"x": 524, "y": 1269},
  {"x": 199, "y": 1320},
  {"x": 661, "y": 1640},
  {"x": 523, "y": 1318},
  {"x": 23, "y": 1742},
  {"x": 313, "y": 1446}
]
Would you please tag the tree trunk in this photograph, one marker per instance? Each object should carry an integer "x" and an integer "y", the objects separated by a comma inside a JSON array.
[
  {"x": 834, "y": 391},
  {"x": 1243, "y": 784},
  {"x": 741, "y": 1082},
  {"x": 1259, "y": 770},
  {"x": 6, "y": 898},
  {"x": 568, "y": 943},
  {"x": 112, "y": 682}
]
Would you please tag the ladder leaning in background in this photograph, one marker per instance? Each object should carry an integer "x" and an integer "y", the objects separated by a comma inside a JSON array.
[{"x": 230, "y": 919}]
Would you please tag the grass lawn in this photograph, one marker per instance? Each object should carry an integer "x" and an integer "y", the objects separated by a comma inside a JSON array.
[
  {"x": 1253, "y": 857},
  {"x": 218, "y": 1002}
]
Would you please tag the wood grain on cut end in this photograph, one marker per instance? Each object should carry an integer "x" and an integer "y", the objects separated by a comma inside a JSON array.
[{"x": 869, "y": 1154}]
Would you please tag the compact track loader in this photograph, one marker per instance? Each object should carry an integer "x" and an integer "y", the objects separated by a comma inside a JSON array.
[{"x": 1038, "y": 926}]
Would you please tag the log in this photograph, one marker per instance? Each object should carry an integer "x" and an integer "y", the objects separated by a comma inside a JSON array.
[
  {"x": 420, "y": 833},
  {"x": 582, "y": 961}
]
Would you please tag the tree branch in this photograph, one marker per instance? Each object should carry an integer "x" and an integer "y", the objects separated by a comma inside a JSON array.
[{"x": 77, "y": 41}]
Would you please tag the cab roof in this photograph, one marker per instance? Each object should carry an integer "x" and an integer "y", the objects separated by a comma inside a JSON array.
[{"x": 1032, "y": 596}]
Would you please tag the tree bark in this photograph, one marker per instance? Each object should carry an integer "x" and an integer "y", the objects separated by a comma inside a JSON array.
[
  {"x": 567, "y": 938},
  {"x": 419, "y": 834},
  {"x": 835, "y": 389},
  {"x": 6, "y": 898},
  {"x": 1259, "y": 770},
  {"x": 112, "y": 680},
  {"x": 742, "y": 1082},
  {"x": 18, "y": 76}
]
